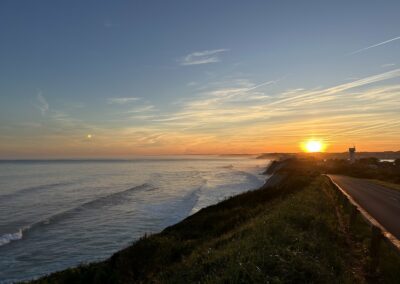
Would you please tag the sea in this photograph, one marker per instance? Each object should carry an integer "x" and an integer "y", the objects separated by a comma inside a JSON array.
[{"x": 61, "y": 213}]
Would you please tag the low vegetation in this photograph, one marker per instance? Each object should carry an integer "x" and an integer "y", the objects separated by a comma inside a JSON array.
[
  {"x": 369, "y": 168},
  {"x": 395, "y": 186},
  {"x": 292, "y": 232}
]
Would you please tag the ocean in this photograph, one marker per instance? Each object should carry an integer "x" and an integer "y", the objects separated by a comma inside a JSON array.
[{"x": 58, "y": 214}]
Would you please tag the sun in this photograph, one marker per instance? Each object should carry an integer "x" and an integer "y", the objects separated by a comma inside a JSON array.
[{"x": 313, "y": 146}]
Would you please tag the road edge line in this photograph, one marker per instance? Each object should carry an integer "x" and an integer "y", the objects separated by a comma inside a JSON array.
[{"x": 391, "y": 238}]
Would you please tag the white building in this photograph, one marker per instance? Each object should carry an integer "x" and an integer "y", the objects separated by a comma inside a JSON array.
[{"x": 352, "y": 154}]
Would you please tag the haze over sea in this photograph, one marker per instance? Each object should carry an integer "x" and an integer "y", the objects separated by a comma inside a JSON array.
[{"x": 57, "y": 214}]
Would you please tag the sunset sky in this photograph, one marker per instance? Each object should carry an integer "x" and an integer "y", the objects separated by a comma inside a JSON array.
[{"x": 124, "y": 78}]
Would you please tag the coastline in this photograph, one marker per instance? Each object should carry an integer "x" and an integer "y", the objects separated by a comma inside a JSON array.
[
  {"x": 273, "y": 180},
  {"x": 83, "y": 222},
  {"x": 269, "y": 181},
  {"x": 290, "y": 230}
]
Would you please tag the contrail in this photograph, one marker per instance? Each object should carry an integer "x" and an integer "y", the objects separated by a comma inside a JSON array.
[
  {"x": 260, "y": 85},
  {"x": 375, "y": 45},
  {"x": 264, "y": 84}
]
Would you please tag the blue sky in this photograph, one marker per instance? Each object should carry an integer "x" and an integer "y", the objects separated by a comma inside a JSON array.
[{"x": 157, "y": 77}]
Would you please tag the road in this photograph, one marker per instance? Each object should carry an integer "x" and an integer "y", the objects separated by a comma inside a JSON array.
[{"x": 380, "y": 202}]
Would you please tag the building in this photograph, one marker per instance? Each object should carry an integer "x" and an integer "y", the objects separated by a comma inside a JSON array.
[{"x": 352, "y": 154}]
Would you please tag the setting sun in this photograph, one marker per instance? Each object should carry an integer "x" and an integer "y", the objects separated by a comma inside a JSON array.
[{"x": 313, "y": 146}]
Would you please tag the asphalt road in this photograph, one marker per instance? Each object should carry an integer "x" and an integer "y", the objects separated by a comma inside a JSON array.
[{"x": 380, "y": 202}]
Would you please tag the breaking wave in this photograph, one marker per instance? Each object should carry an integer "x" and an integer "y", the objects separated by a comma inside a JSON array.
[
  {"x": 7, "y": 238},
  {"x": 113, "y": 198}
]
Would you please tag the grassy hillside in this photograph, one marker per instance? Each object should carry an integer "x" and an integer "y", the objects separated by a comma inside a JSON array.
[{"x": 292, "y": 232}]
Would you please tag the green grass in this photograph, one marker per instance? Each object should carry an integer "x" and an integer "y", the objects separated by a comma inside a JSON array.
[
  {"x": 293, "y": 240},
  {"x": 289, "y": 233}
]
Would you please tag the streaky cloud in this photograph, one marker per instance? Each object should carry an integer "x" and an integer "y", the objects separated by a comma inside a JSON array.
[
  {"x": 260, "y": 85},
  {"x": 375, "y": 45},
  {"x": 43, "y": 105},
  {"x": 202, "y": 57},
  {"x": 140, "y": 109},
  {"x": 343, "y": 87},
  {"x": 388, "y": 65},
  {"x": 123, "y": 100}
]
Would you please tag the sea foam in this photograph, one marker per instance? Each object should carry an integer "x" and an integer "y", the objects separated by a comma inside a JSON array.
[{"x": 7, "y": 238}]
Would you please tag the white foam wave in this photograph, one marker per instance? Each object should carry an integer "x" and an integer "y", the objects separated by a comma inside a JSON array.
[{"x": 7, "y": 238}]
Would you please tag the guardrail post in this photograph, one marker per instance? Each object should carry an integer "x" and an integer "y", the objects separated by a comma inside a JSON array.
[
  {"x": 374, "y": 248},
  {"x": 353, "y": 215}
]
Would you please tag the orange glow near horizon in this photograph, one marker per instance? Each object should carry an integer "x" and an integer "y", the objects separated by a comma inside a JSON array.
[{"x": 105, "y": 145}]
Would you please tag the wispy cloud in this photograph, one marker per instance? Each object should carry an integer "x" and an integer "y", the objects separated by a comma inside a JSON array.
[
  {"x": 387, "y": 65},
  {"x": 337, "y": 89},
  {"x": 236, "y": 115},
  {"x": 121, "y": 101},
  {"x": 260, "y": 85},
  {"x": 141, "y": 109},
  {"x": 244, "y": 115},
  {"x": 191, "y": 84},
  {"x": 202, "y": 57},
  {"x": 236, "y": 103},
  {"x": 375, "y": 45},
  {"x": 144, "y": 111},
  {"x": 42, "y": 105}
]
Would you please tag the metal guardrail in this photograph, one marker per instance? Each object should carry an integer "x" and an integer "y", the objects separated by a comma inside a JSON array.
[{"x": 378, "y": 231}]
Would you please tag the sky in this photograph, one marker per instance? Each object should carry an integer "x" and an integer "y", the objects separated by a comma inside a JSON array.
[{"x": 124, "y": 78}]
